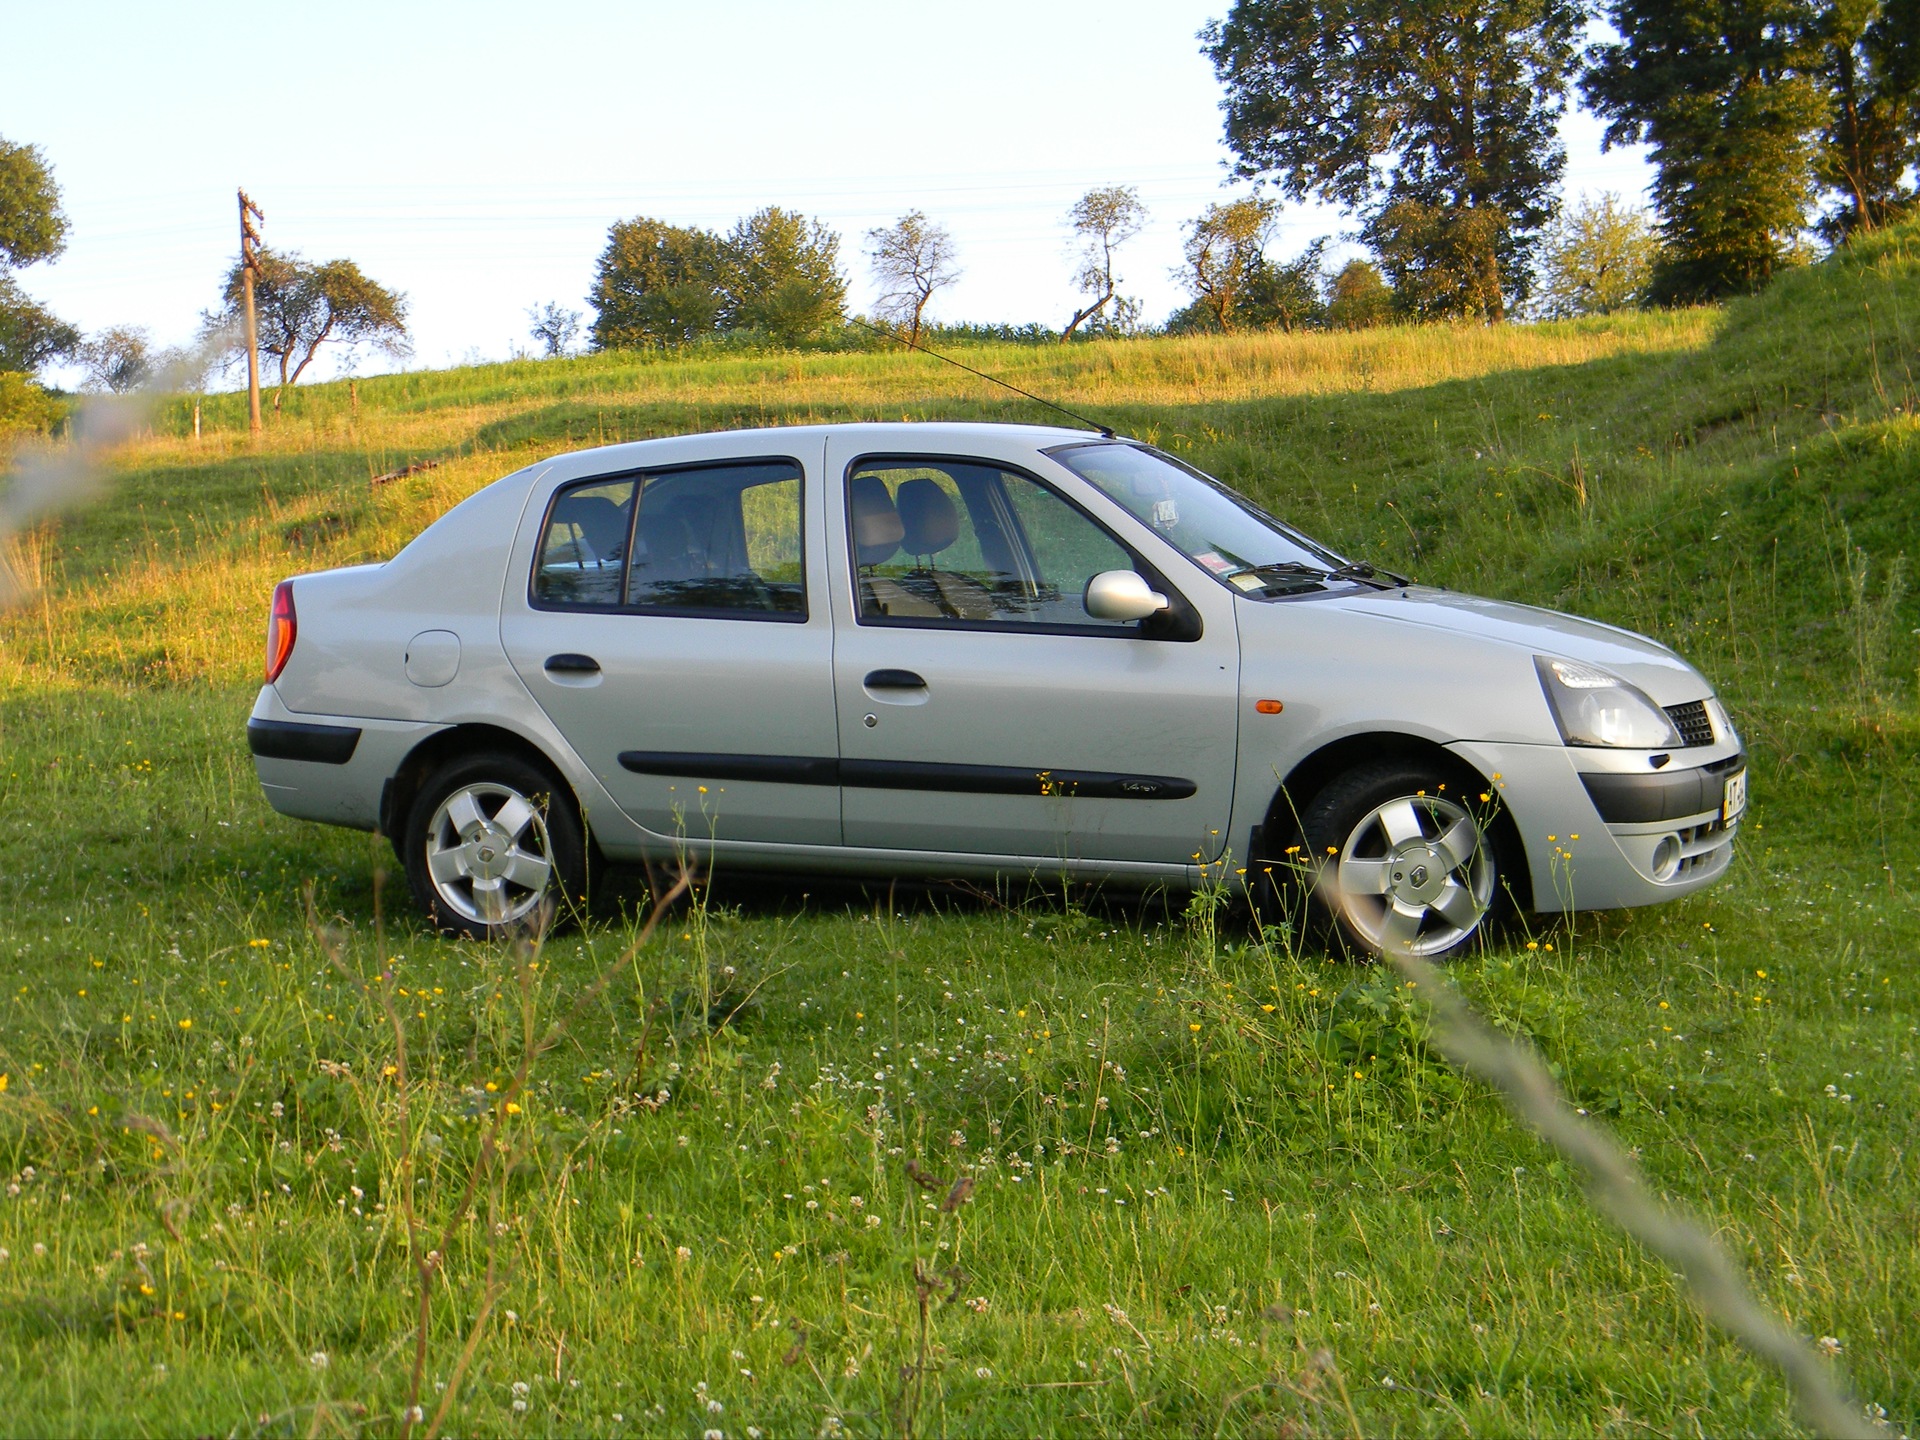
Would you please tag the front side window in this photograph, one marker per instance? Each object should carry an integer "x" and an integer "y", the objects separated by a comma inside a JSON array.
[
  {"x": 720, "y": 540},
  {"x": 969, "y": 543}
]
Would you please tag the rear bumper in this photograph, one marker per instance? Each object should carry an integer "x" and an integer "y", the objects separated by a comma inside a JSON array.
[
  {"x": 1613, "y": 835},
  {"x": 299, "y": 740},
  {"x": 327, "y": 768}
]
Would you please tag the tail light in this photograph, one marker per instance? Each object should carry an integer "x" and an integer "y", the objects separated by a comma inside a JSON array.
[{"x": 282, "y": 626}]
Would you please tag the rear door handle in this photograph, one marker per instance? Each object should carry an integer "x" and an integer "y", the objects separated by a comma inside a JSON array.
[
  {"x": 570, "y": 664},
  {"x": 894, "y": 680}
]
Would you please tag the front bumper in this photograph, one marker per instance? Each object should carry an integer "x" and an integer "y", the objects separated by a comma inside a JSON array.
[{"x": 1604, "y": 829}]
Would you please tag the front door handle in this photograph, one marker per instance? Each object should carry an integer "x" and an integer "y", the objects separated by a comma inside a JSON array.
[
  {"x": 894, "y": 680},
  {"x": 571, "y": 664}
]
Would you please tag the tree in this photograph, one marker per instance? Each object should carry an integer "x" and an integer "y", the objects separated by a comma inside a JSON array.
[
  {"x": 1287, "y": 295},
  {"x": 911, "y": 258},
  {"x": 118, "y": 359},
  {"x": 33, "y": 228},
  {"x": 1224, "y": 251},
  {"x": 1437, "y": 123},
  {"x": 1595, "y": 258},
  {"x": 1359, "y": 297},
  {"x": 1720, "y": 89},
  {"x": 303, "y": 306},
  {"x": 1870, "y": 65},
  {"x": 1103, "y": 219},
  {"x": 784, "y": 277},
  {"x": 658, "y": 284},
  {"x": 556, "y": 329},
  {"x": 30, "y": 334}
]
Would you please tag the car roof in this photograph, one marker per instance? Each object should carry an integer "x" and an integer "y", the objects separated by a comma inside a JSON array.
[{"x": 930, "y": 435}]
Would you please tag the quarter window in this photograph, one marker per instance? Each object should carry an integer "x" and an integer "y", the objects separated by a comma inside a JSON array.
[
  {"x": 954, "y": 542},
  {"x": 720, "y": 540}
]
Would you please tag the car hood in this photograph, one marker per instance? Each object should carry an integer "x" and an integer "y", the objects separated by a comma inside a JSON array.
[{"x": 1666, "y": 678}]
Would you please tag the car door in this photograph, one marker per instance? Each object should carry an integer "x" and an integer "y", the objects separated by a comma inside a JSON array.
[
  {"x": 982, "y": 709},
  {"x": 667, "y": 623}
]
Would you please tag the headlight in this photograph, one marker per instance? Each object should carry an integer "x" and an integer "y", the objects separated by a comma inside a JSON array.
[{"x": 1596, "y": 707}]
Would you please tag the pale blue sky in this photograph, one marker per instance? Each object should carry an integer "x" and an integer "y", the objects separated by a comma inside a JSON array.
[{"x": 473, "y": 155}]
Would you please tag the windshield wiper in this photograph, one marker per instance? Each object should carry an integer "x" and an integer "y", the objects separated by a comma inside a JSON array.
[
  {"x": 1293, "y": 577},
  {"x": 1370, "y": 574},
  {"x": 1283, "y": 576}
]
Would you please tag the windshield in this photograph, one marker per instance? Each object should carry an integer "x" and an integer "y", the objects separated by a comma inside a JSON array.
[{"x": 1217, "y": 529}]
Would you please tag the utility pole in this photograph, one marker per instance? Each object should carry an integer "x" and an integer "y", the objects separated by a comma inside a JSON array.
[{"x": 249, "y": 267}]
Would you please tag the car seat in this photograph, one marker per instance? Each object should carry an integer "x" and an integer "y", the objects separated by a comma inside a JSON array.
[
  {"x": 877, "y": 533},
  {"x": 930, "y": 523}
]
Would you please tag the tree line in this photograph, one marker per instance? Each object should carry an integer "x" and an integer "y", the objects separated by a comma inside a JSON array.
[{"x": 1773, "y": 126}]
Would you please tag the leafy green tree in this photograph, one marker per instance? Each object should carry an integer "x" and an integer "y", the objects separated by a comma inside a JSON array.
[
  {"x": 1436, "y": 122},
  {"x": 1103, "y": 219},
  {"x": 1287, "y": 295},
  {"x": 776, "y": 274},
  {"x": 118, "y": 359},
  {"x": 30, "y": 334},
  {"x": 1359, "y": 297},
  {"x": 1870, "y": 66},
  {"x": 783, "y": 277},
  {"x": 1595, "y": 258},
  {"x": 33, "y": 228},
  {"x": 658, "y": 284},
  {"x": 911, "y": 258},
  {"x": 1721, "y": 90},
  {"x": 302, "y": 306},
  {"x": 1224, "y": 251},
  {"x": 554, "y": 326}
]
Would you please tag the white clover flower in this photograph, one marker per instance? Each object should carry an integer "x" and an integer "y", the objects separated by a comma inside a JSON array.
[
  {"x": 520, "y": 1387},
  {"x": 319, "y": 1360},
  {"x": 1830, "y": 1345},
  {"x": 981, "y": 1372},
  {"x": 683, "y": 1253}
]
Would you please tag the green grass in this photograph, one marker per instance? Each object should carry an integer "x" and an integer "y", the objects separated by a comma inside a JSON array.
[{"x": 1309, "y": 1225}]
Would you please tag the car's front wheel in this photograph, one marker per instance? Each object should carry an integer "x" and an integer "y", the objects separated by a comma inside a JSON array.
[
  {"x": 1402, "y": 862},
  {"x": 489, "y": 840}
]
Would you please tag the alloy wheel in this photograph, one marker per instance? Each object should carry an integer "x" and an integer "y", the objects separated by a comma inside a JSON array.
[{"x": 488, "y": 853}]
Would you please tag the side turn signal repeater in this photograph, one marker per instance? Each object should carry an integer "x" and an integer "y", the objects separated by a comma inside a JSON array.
[
  {"x": 1268, "y": 707},
  {"x": 281, "y": 627}
]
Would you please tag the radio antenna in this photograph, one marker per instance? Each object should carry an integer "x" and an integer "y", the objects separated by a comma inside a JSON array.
[{"x": 1106, "y": 431}]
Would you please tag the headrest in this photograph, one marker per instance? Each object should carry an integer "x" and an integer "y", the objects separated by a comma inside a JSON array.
[
  {"x": 877, "y": 530},
  {"x": 928, "y": 517},
  {"x": 601, "y": 521}
]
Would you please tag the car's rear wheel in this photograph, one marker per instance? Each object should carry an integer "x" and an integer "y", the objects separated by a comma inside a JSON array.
[
  {"x": 1401, "y": 861},
  {"x": 490, "y": 840}
]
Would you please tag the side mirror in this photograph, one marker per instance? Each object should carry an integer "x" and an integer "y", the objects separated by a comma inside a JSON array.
[{"x": 1122, "y": 595}]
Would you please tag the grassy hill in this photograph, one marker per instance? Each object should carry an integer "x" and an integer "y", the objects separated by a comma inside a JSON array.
[{"x": 1222, "y": 1185}]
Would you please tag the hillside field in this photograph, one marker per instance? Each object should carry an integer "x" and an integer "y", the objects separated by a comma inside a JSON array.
[{"x": 1221, "y": 1186}]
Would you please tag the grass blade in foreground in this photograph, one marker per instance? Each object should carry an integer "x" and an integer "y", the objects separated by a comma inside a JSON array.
[{"x": 1715, "y": 1283}]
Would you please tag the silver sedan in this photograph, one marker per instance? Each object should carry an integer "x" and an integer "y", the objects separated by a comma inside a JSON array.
[{"x": 984, "y": 650}]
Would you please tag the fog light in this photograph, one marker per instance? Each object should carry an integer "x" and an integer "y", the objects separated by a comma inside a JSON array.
[{"x": 1666, "y": 857}]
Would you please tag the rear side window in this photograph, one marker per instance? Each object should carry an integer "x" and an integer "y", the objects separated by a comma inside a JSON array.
[
  {"x": 718, "y": 540},
  {"x": 583, "y": 556}
]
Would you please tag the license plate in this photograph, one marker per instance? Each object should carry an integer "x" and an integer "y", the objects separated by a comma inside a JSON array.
[{"x": 1735, "y": 799}]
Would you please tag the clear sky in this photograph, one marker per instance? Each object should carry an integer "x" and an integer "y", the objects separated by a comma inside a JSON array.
[{"x": 473, "y": 155}]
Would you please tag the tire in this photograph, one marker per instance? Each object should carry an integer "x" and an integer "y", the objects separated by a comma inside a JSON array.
[
  {"x": 489, "y": 841},
  {"x": 1403, "y": 859}
]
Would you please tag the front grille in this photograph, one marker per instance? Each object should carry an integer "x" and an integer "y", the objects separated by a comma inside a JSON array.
[{"x": 1693, "y": 723}]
